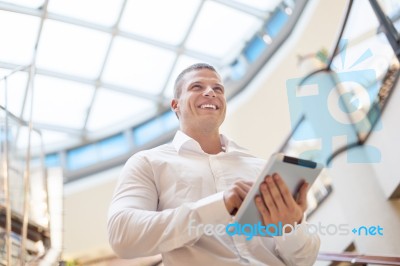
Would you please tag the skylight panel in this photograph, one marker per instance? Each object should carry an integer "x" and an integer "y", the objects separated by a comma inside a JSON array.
[
  {"x": 60, "y": 102},
  {"x": 361, "y": 28},
  {"x": 103, "y": 12},
  {"x": 221, "y": 31},
  {"x": 18, "y": 36},
  {"x": 49, "y": 138},
  {"x": 137, "y": 65},
  {"x": 26, "y": 3},
  {"x": 159, "y": 19},
  {"x": 72, "y": 50},
  {"x": 77, "y": 51},
  {"x": 16, "y": 85},
  {"x": 113, "y": 109},
  {"x": 264, "y": 5},
  {"x": 390, "y": 7},
  {"x": 54, "y": 138}
]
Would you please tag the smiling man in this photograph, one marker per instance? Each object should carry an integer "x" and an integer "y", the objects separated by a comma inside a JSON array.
[
  {"x": 200, "y": 106},
  {"x": 199, "y": 181}
]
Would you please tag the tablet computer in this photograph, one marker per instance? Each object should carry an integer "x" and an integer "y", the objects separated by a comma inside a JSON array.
[{"x": 294, "y": 172}]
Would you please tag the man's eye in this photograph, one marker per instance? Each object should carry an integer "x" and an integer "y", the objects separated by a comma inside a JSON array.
[
  {"x": 218, "y": 89},
  {"x": 196, "y": 87}
]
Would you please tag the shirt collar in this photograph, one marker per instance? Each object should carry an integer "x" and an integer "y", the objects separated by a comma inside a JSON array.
[{"x": 182, "y": 141}]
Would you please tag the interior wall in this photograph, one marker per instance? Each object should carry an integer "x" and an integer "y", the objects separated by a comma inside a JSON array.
[
  {"x": 386, "y": 139},
  {"x": 86, "y": 204},
  {"x": 367, "y": 189},
  {"x": 364, "y": 204}
]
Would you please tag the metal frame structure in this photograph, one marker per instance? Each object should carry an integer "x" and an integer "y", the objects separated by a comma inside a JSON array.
[{"x": 114, "y": 31}]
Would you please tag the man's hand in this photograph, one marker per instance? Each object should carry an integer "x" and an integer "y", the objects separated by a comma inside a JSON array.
[
  {"x": 276, "y": 203},
  {"x": 235, "y": 195}
]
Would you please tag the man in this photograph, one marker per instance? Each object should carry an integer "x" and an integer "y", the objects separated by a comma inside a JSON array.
[{"x": 168, "y": 198}]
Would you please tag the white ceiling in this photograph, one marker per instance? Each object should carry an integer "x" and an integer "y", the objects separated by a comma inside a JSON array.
[{"x": 110, "y": 64}]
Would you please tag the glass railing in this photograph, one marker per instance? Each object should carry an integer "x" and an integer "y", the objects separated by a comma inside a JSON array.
[
  {"x": 25, "y": 224},
  {"x": 23, "y": 197}
]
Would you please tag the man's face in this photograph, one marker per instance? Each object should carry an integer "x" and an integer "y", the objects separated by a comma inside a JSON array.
[{"x": 202, "y": 101}]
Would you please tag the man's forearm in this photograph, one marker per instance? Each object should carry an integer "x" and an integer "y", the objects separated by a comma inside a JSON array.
[{"x": 134, "y": 233}]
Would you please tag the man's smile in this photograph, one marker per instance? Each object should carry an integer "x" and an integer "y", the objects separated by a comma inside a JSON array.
[{"x": 209, "y": 106}]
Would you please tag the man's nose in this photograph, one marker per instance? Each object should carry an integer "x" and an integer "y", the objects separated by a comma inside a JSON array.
[{"x": 209, "y": 92}]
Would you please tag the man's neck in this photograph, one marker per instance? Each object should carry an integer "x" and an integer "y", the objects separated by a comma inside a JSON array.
[{"x": 210, "y": 142}]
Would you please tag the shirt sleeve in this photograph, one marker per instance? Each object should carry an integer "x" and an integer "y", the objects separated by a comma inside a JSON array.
[
  {"x": 300, "y": 247},
  {"x": 136, "y": 228}
]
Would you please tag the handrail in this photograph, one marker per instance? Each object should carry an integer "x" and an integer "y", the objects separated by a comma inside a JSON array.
[
  {"x": 36, "y": 231},
  {"x": 358, "y": 258}
]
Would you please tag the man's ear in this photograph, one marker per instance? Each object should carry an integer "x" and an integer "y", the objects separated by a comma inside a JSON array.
[{"x": 174, "y": 105}]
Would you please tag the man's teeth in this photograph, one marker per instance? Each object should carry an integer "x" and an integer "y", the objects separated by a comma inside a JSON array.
[{"x": 208, "y": 106}]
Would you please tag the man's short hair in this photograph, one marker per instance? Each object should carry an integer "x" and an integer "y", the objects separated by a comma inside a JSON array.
[{"x": 197, "y": 66}]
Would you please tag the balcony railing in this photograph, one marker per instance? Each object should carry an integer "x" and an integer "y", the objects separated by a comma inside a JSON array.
[{"x": 358, "y": 259}]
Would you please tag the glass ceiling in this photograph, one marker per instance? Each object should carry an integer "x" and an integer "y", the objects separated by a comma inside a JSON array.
[{"x": 105, "y": 65}]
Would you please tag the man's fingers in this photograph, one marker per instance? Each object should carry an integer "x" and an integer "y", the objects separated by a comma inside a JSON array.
[
  {"x": 268, "y": 199},
  {"x": 275, "y": 192},
  {"x": 277, "y": 204},
  {"x": 286, "y": 194},
  {"x": 242, "y": 191},
  {"x": 265, "y": 213},
  {"x": 302, "y": 196},
  {"x": 235, "y": 195},
  {"x": 245, "y": 185}
]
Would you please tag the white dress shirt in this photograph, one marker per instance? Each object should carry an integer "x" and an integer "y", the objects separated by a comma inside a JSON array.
[{"x": 165, "y": 194}]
